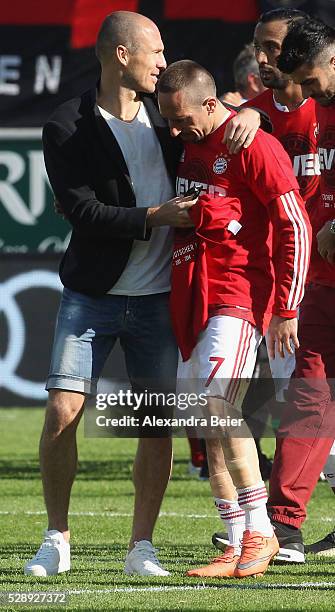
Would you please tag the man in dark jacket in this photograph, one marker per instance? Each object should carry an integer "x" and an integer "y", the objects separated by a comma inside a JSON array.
[{"x": 112, "y": 166}]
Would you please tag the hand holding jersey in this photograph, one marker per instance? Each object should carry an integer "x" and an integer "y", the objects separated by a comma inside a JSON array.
[{"x": 173, "y": 213}]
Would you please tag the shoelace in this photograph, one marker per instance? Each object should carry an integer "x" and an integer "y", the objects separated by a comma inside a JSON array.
[
  {"x": 250, "y": 544},
  {"x": 44, "y": 551},
  {"x": 148, "y": 554}
]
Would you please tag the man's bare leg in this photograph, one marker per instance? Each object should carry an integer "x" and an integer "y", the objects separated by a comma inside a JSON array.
[
  {"x": 233, "y": 518},
  {"x": 242, "y": 461},
  {"x": 58, "y": 455},
  {"x": 225, "y": 494},
  {"x": 151, "y": 473},
  {"x": 237, "y": 455},
  {"x": 220, "y": 480}
]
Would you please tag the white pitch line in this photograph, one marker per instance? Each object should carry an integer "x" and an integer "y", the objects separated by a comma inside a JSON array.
[
  {"x": 202, "y": 587},
  {"x": 153, "y": 589},
  {"x": 109, "y": 514},
  {"x": 324, "y": 519}
]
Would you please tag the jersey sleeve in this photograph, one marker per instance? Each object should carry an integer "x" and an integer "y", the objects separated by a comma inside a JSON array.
[
  {"x": 269, "y": 174},
  {"x": 291, "y": 251}
]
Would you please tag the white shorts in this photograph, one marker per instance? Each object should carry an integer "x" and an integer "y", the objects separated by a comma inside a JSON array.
[{"x": 223, "y": 361}]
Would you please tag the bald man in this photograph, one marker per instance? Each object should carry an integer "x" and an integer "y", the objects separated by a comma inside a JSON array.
[{"x": 112, "y": 166}]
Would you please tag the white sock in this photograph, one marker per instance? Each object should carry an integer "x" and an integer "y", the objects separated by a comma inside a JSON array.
[
  {"x": 253, "y": 501},
  {"x": 233, "y": 518}
]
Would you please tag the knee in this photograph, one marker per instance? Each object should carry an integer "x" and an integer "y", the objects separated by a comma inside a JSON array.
[{"x": 63, "y": 413}]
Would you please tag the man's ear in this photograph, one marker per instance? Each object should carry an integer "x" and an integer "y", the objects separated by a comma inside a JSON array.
[
  {"x": 122, "y": 54},
  {"x": 332, "y": 62},
  {"x": 210, "y": 104}
]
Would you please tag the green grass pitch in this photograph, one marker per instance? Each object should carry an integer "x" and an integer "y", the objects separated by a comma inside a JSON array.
[{"x": 101, "y": 509}]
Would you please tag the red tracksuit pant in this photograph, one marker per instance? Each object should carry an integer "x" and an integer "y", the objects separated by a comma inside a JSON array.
[{"x": 307, "y": 428}]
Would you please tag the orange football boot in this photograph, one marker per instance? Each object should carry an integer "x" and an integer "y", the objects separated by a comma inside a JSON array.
[
  {"x": 257, "y": 552},
  {"x": 221, "y": 567}
]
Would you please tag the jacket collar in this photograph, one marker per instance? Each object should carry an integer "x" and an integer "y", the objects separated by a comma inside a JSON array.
[{"x": 171, "y": 148}]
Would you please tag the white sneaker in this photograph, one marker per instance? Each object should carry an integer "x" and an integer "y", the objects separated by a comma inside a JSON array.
[
  {"x": 142, "y": 560},
  {"x": 53, "y": 556}
]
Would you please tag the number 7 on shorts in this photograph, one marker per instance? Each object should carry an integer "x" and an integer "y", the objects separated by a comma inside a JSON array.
[{"x": 219, "y": 362}]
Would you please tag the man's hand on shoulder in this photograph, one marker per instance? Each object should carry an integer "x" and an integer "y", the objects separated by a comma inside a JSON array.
[
  {"x": 282, "y": 334},
  {"x": 173, "y": 213},
  {"x": 326, "y": 242},
  {"x": 241, "y": 130}
]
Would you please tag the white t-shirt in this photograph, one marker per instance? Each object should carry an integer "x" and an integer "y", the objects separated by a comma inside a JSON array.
[{"x": 148, "y": 267}]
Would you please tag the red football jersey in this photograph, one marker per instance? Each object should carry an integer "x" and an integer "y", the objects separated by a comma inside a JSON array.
[
  {"x": 297, "y": 132},
  {"x": 323, "y": 209},
  {"x": 256, "y": 241}
]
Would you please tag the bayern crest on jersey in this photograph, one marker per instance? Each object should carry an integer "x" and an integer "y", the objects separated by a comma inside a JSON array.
[{"x": 220, "y": 165}]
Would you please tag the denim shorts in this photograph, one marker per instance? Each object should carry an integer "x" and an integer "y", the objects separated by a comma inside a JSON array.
[{"x": 87, "y": 329}]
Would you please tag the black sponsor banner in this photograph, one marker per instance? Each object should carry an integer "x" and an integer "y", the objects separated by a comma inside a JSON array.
[
  {"x": 46, "y": 62},
  {"x": 47, "y": 54},
  {"x": 38, "y": 71},
  {"x": 33, "y": 85},
  {"x": 36, "y": 77},
  {"x": 49, "y": 57}
]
